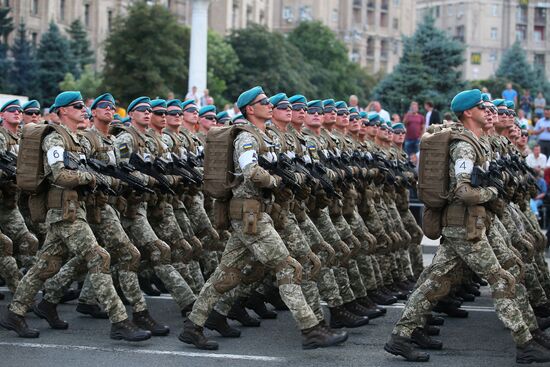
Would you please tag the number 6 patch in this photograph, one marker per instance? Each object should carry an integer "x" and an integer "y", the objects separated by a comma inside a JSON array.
[{"x": 55, "y": 154}]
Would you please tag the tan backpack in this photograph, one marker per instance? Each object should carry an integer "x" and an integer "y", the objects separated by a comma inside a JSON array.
[{"x": 433, "y": 173}]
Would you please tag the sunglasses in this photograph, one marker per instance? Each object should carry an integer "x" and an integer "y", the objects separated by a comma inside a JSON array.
[
  {"x": 32, "y": 113},
  {"x": 263, "y": 102},
  {"x": 329, "y": 109},
  {"x": 284, "y": 106},
  {"x": 174, "y": 113},
  {"x": 13, "y": 109},
  {"x": 342, "y": 112},
  {"x": 299, "y": 107},
  {"x": 315, "y": 110},
  {"x": 143, "y": 109},
  {"x": 524, "y": 134},
  {"x": 191, "y": 110},
  {"x": 159, "y": 112},
  {"x": 354, "y": 118},
  {"x": 504, "y": 112},
  {"x": 107, "y": 105},
  {"x": 77, "y": 106},
  {"x": 399, "y": 132},
  {"x": 223, "y": 121},
  {"x": 209, "y": 117}
]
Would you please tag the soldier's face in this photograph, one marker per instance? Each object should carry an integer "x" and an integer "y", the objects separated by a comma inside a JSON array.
[
  {"x": 191, "y": 114},
  {"x": 490, "y": 116},
  {"x": 283, "y": 112},
  {"x": 31, "y": 115},
  {"x": 74, "y": 111},
  {"x": 174, "y": 116},
  {"x": 314, "y": 120},
  {"x": 398, "y": 137},
  {"x": 207, "y": 120},
  {"x": 299, "y": 112},
  {"x": 355, "y": 125},
  {"x": 342, "y": 121},
  {"x": 330, "y": 117},
  {"x": 141, "y": 118},
  {"x": 260, "y": 108},
  {"x": 12, "y": 115},
  {"x": 158, "y": 117},
  {"x": 104, "y": 113}
]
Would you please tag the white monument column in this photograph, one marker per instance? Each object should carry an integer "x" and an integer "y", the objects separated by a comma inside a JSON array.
[{"x": 199, "y": 41}]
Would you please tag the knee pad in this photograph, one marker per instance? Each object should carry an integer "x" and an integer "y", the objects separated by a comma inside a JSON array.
[
  {"x": 6, "y": 245},
  {"x": 28, "y": 244},
  {"x": 98, "y": 260},
  {"x": 289, "y": 271},
  {"x": 185, "y": 248},
  {"x": 53, "y": 264},
  {"x": 503, "y": 284},
  {"x": 132, "y": 256},
  {"x": 253, "y": 272},
  {"x": 164, "y": 253},
  {"x": 227, "y": 279},
  {"x": 438, "y": 288}
]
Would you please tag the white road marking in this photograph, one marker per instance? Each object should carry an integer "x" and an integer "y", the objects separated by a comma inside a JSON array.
[
  {"x": 145, "y": 351},
  {"x": 466, "y": 308}
]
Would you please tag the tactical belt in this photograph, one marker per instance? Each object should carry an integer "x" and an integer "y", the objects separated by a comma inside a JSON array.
[{"x": 238, "y": 207}]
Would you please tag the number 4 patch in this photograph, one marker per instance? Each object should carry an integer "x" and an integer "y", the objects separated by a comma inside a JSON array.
[{"x": 464, "y": 166}]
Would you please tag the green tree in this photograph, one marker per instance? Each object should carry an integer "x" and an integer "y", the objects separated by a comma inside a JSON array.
[
  {"x": 23, "y": 76},
  {"x": 138, "y": 63},
  {"x": 80, "y": 46},
  {"x": 428, "y": 69},
  {"x": 6, "y": 27},
  {"x": 55, "y": 59},
  {"x": 89, "y": 83},
  {"x": 269, "y": 60},
  {"x": 332, "y": 73},
  {"x": 222, "y": 67},
  {"x": 515, "y": 68}
]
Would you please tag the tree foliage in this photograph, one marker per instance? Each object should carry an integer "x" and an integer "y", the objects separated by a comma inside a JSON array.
[
  {"x": 80, "y": 46},
  {"x": 55, "y": 59},
  {"x": 6, "y": 27},
  {"x": 222, "y": 67},
  {"x": 24, "y": 69},
  {"x": 89, "y": 83},
  {"x": 428, "y": 70},
  {"x": 144, "y": 54}
]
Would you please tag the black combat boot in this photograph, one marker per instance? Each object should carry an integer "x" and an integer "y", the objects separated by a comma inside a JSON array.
[
  {"x": 340, "y": 317},
  {"x": 421, "y": 338},
  {"x": 319, "y": 337},
  {"x": 341, "y": 334},
  {"x": 403, "y": 346},
  {"x": 355, "y": 308},
  {"x": 450, "y": 310},
  {"x": 274, "y": 297},
  {"x": 13, "y": 321},
  {"x": 431, "y": 330},
  {"x": 543, "y": 322},
  {"x": 126, "y": 330},
  {"x": 93, "y": 310},
  {"x": 218, "y": 322},
  {"x": 396, "y": 292},
  {"x": 540, "y": 337},
  {"x": 147, "y": 287},
  {"x": 48, "y": 311},
  {"x": 467, "y": 297},
  {"x": 381, "y": 298},
  {"x": 435, "y": 320},
  {"x": 239, "y": 313},
  {"x": 159, "y": 284},
  {"x": 2, "y": 296},
  {"x": 143, "y": 320},
  {"x": 256, "y": 303},
  {"x": 70, "y": 295},
  {"x": 374, "y": 310},
  {"x": 542, "y": 310},
  {"x": 532, "y": 352},
  {"x": 193, "y": 334},
  {"x": 472, "y": 289}
]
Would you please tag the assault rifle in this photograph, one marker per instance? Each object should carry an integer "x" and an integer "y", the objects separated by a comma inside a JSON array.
[
  {"x": 491, "y": 177},
  {"x": 80, "y": 164},
  {"x": 283, "y": 170},
  {"x": 123, "y": 173},
  {"x": 157, "y": 170},
  {"x": 186, "y": 169},
  {"x": 8, "y": 162}
]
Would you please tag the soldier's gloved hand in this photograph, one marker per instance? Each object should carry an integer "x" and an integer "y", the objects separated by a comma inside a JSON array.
[
  {"x": 263, "y": 179},
  {"x": 494, "y": 191},
  {"x": 528, "y": 251},
  {"x": 212, "y": 233},
  {"x": 283, "y": 194},
  {"x": 152, "y": 182},
  {"x": 115, "y": 183},
  {"x": 196, "y": 244},
  {"x": 91, "y": 180},
  {"x": 344, "y": 251},
  {"x": 300, "y": 178}
]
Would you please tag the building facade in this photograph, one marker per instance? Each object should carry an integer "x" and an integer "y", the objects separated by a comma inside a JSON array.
[{"x": 489, "y": 27}]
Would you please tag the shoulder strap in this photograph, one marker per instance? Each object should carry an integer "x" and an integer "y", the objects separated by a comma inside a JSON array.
[
  {"x": 177, "y": 142},
  {"x": 138, "y": 141},
  {"x": 253, "y": 131},
  {"x": 280, "y": 136},
  {"x": 158, "y": 142},
  {"x": 95, "y": 142},
  {"x": 70, "y": 144},
  {"x": 9, "y": 139},
  {"x": 469, "y": 138}
]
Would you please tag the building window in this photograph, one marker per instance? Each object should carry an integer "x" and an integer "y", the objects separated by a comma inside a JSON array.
[
  {"x": 87, "y": 15},
  {"x": 384, "y": 49},
  {"x": 305, "y": 13},
  {"x": 384, "y": 20},
  {"x": 437, "y": 11},
  {"x": 355, "y": 56},
  {"x": 475, "y": 58},
  {"x": 521, "y": 32},
  {"x": 460, "y": 33},
  {"x": 62, "y": 10},
  {"x": 494, "y": 10},
  {"x": 34, "y": 7},
  {"x": 385, "y": 5},
  {"x": 371, "y": 5},
  {"x": 538, "y": 34},
  {"x": 493, "y": 57},
  {"x": 357, "y": 4},
  {"x": 540, "y": 16},
  {"x": 521, "y": 14},
  {"x": 287, "y": 14},
  {"x": 110, "y": 20},
  {"x": 34, "y": 39},
  {"x": 494, "y": 33},
  {"x": 370, "y": 47},
  {"x": 396, "y": 2},
  {"x": 540, "y": 60},
  {"x": 395, "y": 23},
  {"x": 450, "y": 10},
  {"x": 335, "y": 15}
]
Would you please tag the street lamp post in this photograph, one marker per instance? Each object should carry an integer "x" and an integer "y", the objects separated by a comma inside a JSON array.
[{"x": 199, "y": 41}]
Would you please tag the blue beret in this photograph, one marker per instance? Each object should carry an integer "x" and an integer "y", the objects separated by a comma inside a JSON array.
[
  {"x": 66, "y": 98},
  {"x": 278, "y": 98},
  {"x": 173, "y": 102},
  {"x": 373, "y": 116},
  {"x": 158, "y": 103},
  {"x": 206, "y": 109},
  {"x": 248, "y": 96},
  {"x": 187, "y": 103},
  {"x": 485, "y": 97},
  {"x": 315, "y": 103},
  {"x": 222, "y": 115},
  {"x": 89, "y": 112},
  {"x": 363, "y": 115},
  {"x": 116, "y": 116},
  {"x": 523, "y": 125},
  {"x": 398, "y": 126},
  {"x": 125, "y": 120},
  {"x": 237, "y": 117},
  {"x": 341, "y": 104},
  {"x": 466, "y": 100},
  {"x": 53, "y": 108},
  {"x": 328, "y": 102},
  {"x": 510, "y": 104},
  {"x": 297, "y": 98},
  {"x": 104, "y": 97},
  {"x": 137, "y": 101},
  {"x": 499, "y": 102},
  {"x": 353, "y": 110},
  {"x": 11, "y": 102},
  {"x": 31, "y": 104}
]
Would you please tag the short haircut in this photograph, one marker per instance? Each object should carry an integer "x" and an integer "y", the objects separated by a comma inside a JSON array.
[{"x": 429, "y": 103}]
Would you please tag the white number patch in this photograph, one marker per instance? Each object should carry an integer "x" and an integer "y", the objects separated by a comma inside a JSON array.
[
  {"x": 248, "y": 157},
  {"x": 112, "y": 159},
  {"x": 55, "y": 154},
  {"x": 463, "y": 166}
]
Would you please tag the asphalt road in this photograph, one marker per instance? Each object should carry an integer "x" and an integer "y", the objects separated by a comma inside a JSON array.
[{"x": 479, "y": 340}]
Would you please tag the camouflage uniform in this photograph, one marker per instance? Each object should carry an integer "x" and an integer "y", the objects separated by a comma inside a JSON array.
[
  {"x": 459, "y": 248},
  {"x": 259, "y": 241},
  {"x": 68, "y": 232},
  {"x": 135, "y": 222}
]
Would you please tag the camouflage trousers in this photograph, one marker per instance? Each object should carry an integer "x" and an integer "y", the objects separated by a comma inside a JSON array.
[
  {"x": 456, "y": 252},
  {"x": 415, "y": 247},
  {"x": 383, "y": 251},
  {"x": 124, "y": 264},
  {"x": 266, "y": 247},
  {"x": 8, "y": 266},
  {"x": 75, "y": 238},
  {"x": 158, "y": 255},
  {"x": 25, "y": 244}
]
